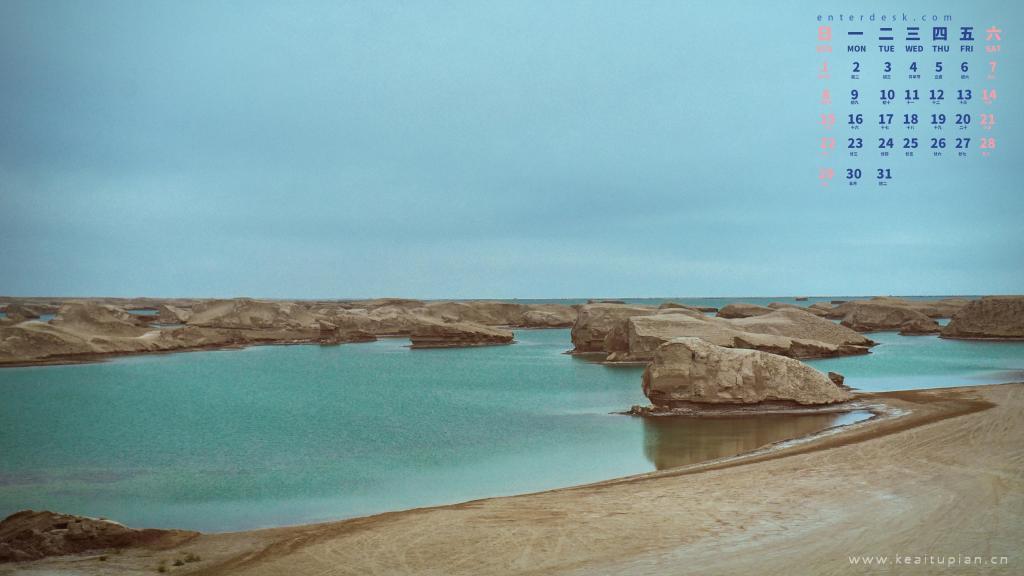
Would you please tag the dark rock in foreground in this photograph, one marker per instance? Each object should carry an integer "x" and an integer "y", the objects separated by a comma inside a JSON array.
[{"x": 31, "y": 535}]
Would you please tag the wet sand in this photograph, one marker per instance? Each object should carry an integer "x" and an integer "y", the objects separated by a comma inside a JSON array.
[{"x": 941, "y": 475}]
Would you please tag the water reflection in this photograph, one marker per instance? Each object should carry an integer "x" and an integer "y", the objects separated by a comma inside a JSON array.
[{"x": 671, "y": 441}]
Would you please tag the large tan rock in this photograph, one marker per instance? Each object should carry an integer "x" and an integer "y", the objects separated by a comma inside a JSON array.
[
  {"x": 594, "y": 322},
  {"x": 790, "y": 333},
  {"x": 743, "y": 310},
  {"x": 992, "y": 317},
  {"x": 458, "y": 335},
  {"x": 878, "y": 316},
  {"x": 687, "y": 371},
  {"x": 31, "y": 535}
]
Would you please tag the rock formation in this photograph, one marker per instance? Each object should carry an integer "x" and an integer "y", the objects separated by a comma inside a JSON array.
[
  {"x": 820, "y": 309},
  {"x": 878, "y": 316},
  {"x": 743, "y": 310},
  {"x": 688, "y": 371},
  {"x": 493, "y": 313},
  {"x": 801, "y": 324},
  {"x": 458, "y": 335},
  {"x": 331, "y": 335},
  {"x": 992, "y": 317},
  {"x": 944, "y": 308},
  {"x": 244, "y": 313},
  {"x": 919, "y": 327},
  {"x": 631, "y": 334},
  {"x": 670, "y": 305},
  {"x": 594, "y": 322},
  {"x": 792, "y": 333},
  {"x": 31, "y": 535}
]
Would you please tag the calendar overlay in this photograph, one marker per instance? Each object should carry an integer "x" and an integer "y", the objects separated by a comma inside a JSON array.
[{"x": 937, "y": 99}]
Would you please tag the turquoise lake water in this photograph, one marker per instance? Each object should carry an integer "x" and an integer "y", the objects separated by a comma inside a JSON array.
[{"x": 277, "y": 435}]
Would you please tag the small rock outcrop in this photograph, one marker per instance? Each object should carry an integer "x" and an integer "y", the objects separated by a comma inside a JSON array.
[
  {"x": 458, "y": 335},
  {"x": 688, "y": 371},
  {"x": 990, "y": 318},
  {"x": 837, "y": 379},
  {"x": 330, "y": 334},
  {"x": 875, "y": 316},
  {"x": 676, "y": 305},
  {"x": 919, "y": 327},
  {"x": 31, "y": 535},
  {"x": 743, "y": 310},
  {"x": 781, "y": 305}
]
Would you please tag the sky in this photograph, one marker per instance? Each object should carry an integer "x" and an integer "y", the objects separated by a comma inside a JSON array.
[{"x": 522, "y": 149}]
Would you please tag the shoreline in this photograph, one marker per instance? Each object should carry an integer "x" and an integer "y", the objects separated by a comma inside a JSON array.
[{"x": 457, "y": 528}]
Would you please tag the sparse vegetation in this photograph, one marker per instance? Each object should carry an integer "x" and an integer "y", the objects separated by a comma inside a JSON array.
[
  {"x": 179, "y": 562},
  {"x": 190, "y": 557}
]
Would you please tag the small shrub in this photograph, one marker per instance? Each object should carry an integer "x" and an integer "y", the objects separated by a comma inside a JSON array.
[
  {"x": 103, "y": 558},
  {"x": 190, "y": 557},
  {"x": 179, "y": 562}
]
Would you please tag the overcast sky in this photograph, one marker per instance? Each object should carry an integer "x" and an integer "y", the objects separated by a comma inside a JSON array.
[{"x": 476, "y": 149}]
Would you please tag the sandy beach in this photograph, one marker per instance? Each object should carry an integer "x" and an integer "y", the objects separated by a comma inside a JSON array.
[{"x": 941, "y": 476}]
